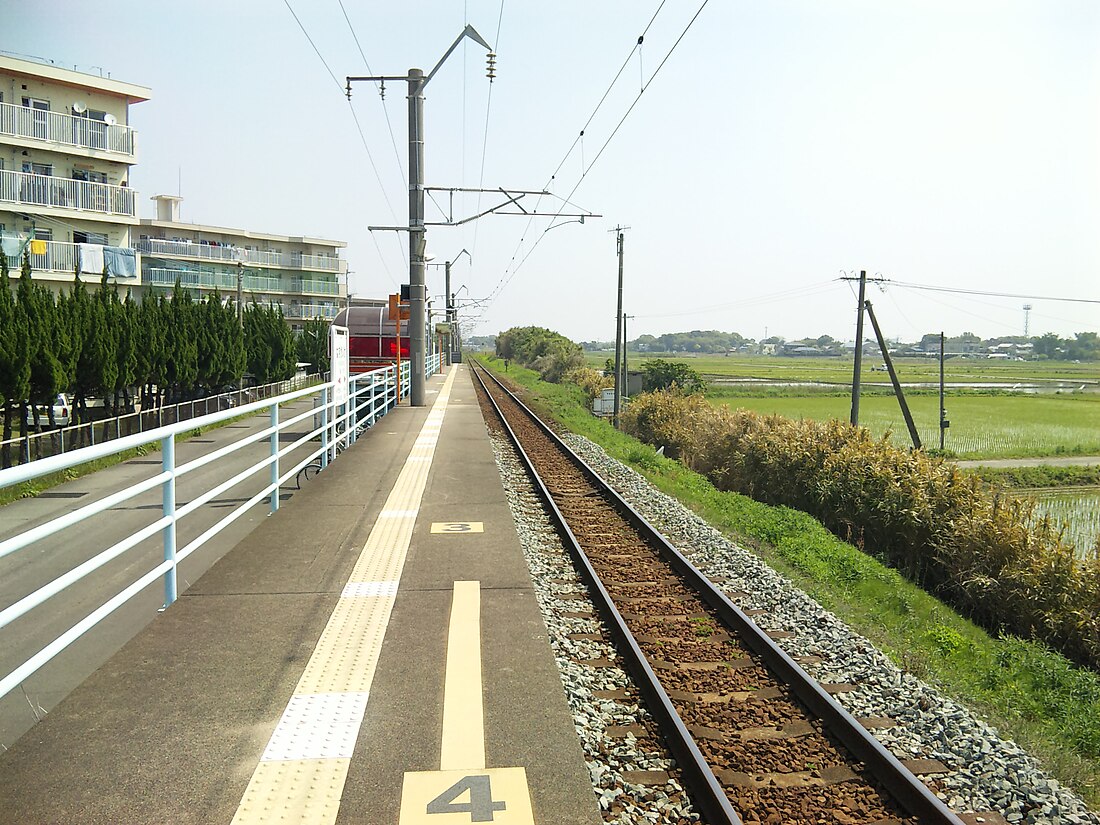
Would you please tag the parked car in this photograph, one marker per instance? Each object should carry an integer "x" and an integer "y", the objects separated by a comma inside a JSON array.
[{"x": 62, "y": 412}]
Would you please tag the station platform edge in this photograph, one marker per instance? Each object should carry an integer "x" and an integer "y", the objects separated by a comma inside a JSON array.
[{"x": 371, "y": 653}]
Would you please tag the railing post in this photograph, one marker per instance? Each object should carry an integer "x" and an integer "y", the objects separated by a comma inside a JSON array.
[
  {"x": 324, "y": 427},
  {"x": 353, "y": 409},
  {"x": 168, "y": 509},
  {"x": 274, "y": 457}
]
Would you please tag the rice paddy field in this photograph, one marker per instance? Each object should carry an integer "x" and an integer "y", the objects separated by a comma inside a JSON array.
[{"x": 1078, "y": 509}]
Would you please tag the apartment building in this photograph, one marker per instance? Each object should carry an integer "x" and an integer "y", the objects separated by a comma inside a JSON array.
[
  {"x": 66, "y": 148},
  {"x": 304, "y": 276}
]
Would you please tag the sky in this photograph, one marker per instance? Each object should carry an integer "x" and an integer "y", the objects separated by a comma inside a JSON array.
[{"x": 758, "y": 152}]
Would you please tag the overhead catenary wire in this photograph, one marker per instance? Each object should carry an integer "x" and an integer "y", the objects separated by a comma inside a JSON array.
[
  {"x": 576, "y": 141},
  {"x": 485, "y": 139},
  {"x": 355, "y": 117},
  {"x": 505, "y": 281}
]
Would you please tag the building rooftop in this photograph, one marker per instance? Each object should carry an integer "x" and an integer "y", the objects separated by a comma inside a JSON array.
[{"x": 70, "y": 77}]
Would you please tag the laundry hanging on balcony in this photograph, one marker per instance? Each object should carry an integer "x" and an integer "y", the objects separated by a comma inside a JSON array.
[
  {"x": 121, "y": 261},
  {"x": 13, "y": 246},
  {"x": 38, "y": 246},
  {"x": 91, "y": 258}
]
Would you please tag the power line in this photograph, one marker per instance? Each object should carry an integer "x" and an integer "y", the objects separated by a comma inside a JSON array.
[
  {"x": 578, "y": 139},
  {"x": 566, "y": 199},
  {"x": 314, "y": 45},
  {"x": 961, "y": 291},
  {"x": 385, "y": 111},
  {"x": 358, "y": 126}
]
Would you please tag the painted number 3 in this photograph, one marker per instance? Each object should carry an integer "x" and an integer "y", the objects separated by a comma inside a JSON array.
[
  {"x": 481, "y": 805},
  {"x": 458, "y": 527}
]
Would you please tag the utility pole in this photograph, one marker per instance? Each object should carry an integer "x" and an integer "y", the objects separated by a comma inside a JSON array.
[
  {"x": 858, "y": 367},
  {"x": 619, "y": 329},
  {"x": 417, "y": 80}
]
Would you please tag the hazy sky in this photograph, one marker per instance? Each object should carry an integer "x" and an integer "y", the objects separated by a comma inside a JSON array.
[{"x": 782, "y": 145}]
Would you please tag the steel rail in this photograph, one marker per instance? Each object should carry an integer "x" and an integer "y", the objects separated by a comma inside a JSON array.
[
  {"x": 907, "y": 789},
  {"x": 707, "y": 795}
]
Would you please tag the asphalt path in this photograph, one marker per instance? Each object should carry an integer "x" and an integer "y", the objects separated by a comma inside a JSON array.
[{"x": 28, "y": 569}]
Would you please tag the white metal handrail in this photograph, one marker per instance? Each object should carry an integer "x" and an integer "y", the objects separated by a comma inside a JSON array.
[
  {"x": 57, "y": 127},
  {"x": 372, "y": 395},
  {"x": 66, "y": 193}
]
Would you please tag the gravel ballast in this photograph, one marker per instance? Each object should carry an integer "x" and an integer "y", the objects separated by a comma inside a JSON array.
[{"x": 986, "y": 773}]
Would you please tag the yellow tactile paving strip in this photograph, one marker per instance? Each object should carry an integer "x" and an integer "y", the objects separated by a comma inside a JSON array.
[
  {"x": 463, "y": 745},
  {"x": 300, "y": 777}
]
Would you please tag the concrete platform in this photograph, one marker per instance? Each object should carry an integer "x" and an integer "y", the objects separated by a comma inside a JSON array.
[{"x": 255, "y": 698}]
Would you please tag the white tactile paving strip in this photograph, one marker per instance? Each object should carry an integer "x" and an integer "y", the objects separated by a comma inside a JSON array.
[{"x": 301, "y": 774}]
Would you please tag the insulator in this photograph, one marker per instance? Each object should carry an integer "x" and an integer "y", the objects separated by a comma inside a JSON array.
[{"x": 491, "y": 68}]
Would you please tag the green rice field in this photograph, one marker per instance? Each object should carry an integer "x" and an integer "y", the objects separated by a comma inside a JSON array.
[
  {"x": 982, "y": 426},
  {"x": 1078, "y": 509}
]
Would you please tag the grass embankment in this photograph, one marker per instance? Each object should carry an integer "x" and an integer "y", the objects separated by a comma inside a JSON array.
[{"x": 1030, "y": 694}]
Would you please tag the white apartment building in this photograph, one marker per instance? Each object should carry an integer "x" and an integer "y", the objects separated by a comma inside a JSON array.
[
  {"x": 304, "y": 276},
  {"x": 66, "y": 148}
]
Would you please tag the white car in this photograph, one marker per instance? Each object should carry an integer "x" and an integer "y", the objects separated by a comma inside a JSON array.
[{"x": 62, "y": 413}]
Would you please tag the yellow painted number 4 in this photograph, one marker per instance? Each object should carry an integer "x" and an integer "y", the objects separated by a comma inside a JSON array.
[{"x": 481, "y": 806}]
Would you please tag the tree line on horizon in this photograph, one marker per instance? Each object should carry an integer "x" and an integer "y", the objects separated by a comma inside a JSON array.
[{"x": 96, "y": 344}]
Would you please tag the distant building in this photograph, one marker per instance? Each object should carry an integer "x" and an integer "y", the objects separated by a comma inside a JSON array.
[
  {"x": 302, "y": 275},
  {"x": 66, "y": 148}
]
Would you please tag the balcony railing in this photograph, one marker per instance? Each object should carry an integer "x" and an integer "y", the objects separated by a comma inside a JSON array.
[
  {"x": 206, "y": 252},
  {"x": 65, "y": 193},
  {"x": 316, "y": 287},
  {"x": 327, "y": 311},
  {"x": 21, "y": 121},
  {"x": 227, "y": 281},
  {"x": 59, "y": 257}
]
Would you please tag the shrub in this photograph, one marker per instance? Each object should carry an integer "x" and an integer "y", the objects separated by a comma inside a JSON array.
[
  {"x": 593, "y": 382},
  {"x": 977, "y": 548}
]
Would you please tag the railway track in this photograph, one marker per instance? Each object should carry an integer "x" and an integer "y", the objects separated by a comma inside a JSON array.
[{"x": 755, "y": 738}]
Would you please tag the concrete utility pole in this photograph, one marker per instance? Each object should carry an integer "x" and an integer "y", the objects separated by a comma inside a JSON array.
[
  {"x": 417, "y": 80},
  {"x": 619, "y": 329},
  {"x": 858, "y": 367}
]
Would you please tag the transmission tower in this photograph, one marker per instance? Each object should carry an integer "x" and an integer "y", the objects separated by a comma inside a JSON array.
[{"x": 1027, "y": 319}]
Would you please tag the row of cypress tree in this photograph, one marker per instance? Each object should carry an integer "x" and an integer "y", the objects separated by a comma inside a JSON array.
[{"x": 96, "y": 344}]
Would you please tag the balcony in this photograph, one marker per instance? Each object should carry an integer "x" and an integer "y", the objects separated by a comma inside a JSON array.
[
  {"x": 65, "y": 193},
  {"x": 54, "y": 127},
  {"x": 227, "y": 281},
  {"x": 59, "y": 257},
  {"x": 205, "y": 252},
  {"x": 315, "y": 287},
  {"x": 297, "y": 311}
]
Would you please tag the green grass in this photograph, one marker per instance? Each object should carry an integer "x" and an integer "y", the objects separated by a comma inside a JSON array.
[
  {"x": 1029, "y": 693},
  {"x": 982, "y": 426}
]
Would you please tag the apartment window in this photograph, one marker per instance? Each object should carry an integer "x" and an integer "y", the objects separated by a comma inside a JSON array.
[
  {"x": 89, "y": 237},
  {"x": 38, "y": 168},
  {"x": 90, "y": 176},
  {"x": 43, "y": 234}
]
